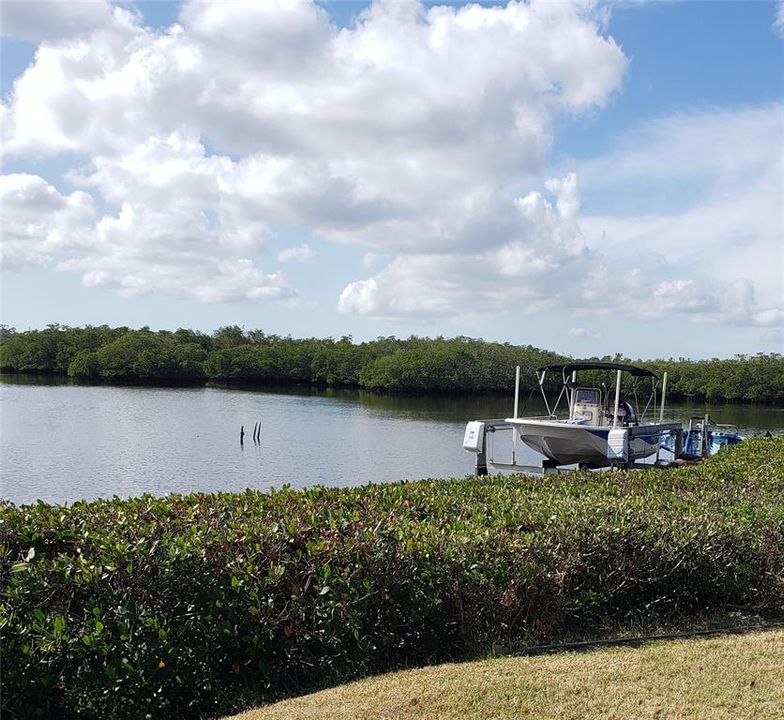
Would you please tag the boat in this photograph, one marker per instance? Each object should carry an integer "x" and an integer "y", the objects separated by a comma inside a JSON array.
[
  {"x": 588, "y": 426},
  {"x": 702, "y": 438}
]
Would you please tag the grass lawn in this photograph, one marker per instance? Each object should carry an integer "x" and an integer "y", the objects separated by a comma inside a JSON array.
[{"x": 740, "y": 676}]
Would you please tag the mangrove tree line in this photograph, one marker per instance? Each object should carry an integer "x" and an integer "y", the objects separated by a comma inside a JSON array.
[{"x": 232, "y": 354}]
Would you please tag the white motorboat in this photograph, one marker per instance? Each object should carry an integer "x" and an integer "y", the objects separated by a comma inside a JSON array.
[{"x": 597, "y": 428}]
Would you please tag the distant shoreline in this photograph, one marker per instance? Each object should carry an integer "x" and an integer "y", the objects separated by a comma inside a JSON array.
[{"x": 231, "y": 356}]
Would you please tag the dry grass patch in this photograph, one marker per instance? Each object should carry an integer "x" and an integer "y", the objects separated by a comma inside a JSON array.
[{"x": 700, "y": 679}]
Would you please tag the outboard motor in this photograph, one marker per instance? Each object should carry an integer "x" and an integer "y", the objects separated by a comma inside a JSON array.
[{"x": 629, "y": 416}]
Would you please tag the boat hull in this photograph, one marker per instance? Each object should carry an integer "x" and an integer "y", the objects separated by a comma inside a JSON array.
[{"x": 567, "y": 443}]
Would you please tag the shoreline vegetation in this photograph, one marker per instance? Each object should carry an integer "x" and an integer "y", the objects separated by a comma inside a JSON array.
[
  {"x": 197, "y": 606},
  {"x": 231, "y": 355}
]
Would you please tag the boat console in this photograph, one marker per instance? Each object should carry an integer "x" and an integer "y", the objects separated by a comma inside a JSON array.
[{"x": 589, "y": 407}]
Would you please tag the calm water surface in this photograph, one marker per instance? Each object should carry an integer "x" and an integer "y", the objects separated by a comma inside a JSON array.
[{"x": 63, "y": 442}]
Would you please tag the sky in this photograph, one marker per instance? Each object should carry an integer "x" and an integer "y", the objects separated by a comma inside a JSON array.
[{"x": 589, "y": 177}]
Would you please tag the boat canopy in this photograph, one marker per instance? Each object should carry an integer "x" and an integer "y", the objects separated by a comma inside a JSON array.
[{"x": 569, "y": 368}]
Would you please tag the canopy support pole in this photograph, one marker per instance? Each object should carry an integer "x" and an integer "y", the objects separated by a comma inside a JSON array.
[
  {"x": 617, "y": 398},
  {"x": 664, "y": 394}
]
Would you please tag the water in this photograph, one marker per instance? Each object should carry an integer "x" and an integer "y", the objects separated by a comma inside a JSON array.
[{"x": 61, "y": 441}]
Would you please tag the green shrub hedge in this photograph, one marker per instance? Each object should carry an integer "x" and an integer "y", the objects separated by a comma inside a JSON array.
[{"x": 187, "y": 606}]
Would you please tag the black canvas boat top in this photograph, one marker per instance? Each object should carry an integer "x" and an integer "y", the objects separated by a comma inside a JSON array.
[{"x": 569, "y": 368}]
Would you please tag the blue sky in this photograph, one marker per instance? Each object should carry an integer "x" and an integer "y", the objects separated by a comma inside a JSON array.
[{"x": 591, "y": 178}]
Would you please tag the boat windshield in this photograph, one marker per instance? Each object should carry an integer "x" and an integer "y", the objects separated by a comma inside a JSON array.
[{"x": 587, "y": 396}]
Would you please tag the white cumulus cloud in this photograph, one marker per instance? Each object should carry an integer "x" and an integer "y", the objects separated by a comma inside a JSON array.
[
  {"x": 38, "y": 222},
  {"x": 578, "y": 332},
  {"x": 728, "y": 238},
  {"x": 402, "y": 132},
  {"x": 37, "y": 20},
  {"x": 546, "y": 244},
  {"x": 421, "y": 133},
  {"x": 301, "y": 253}
]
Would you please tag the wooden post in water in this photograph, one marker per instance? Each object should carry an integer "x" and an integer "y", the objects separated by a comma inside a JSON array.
[
  {"x": 254, "y": 432},
  {"x": 242, "y": 434}
]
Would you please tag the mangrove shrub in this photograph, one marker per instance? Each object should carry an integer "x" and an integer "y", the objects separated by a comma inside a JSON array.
[{"x": 189, "y": 606}]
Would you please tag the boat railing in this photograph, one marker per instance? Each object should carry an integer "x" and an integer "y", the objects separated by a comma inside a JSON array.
[{"x": 538, "y": 417}]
